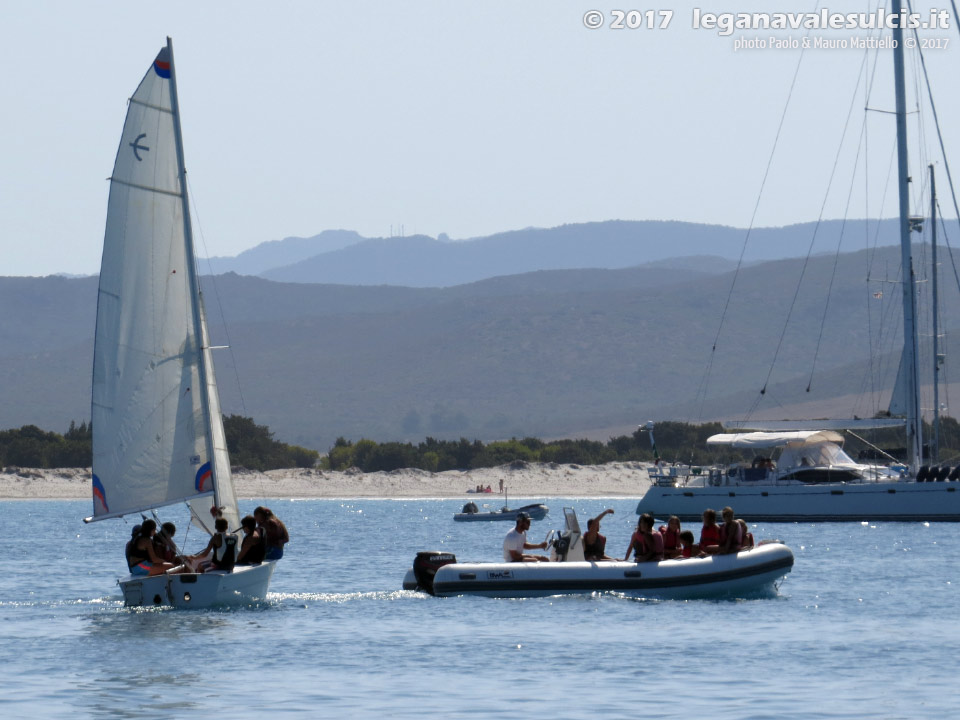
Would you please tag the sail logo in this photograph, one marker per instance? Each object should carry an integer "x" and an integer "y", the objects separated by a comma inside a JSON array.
[
  {"x": 137, "y": 147},
  {"x": 161, "y": 68},
  {"x": 204, "y": 478},
  {"x": 99, "y": 496}
]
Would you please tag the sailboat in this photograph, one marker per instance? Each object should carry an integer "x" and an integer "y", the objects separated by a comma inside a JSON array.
[
  {"x": 158, "y": 437},
  {"x": 814, "y": 479}
]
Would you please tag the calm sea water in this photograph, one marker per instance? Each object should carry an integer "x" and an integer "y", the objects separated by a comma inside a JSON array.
[{"x": 865, "y": 625}]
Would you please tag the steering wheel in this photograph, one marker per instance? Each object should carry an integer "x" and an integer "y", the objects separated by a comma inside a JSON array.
[{"x": 551, "y": 535}]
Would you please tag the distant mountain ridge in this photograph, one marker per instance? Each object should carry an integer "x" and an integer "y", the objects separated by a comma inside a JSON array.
[
  {"x": 346, "y": 258},
  {"x": 275, "y": 253},
  {"x": 545, "y": 353}
]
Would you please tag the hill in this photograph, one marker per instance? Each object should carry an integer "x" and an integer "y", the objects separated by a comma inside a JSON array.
[
  {"x": 549, "y": 353},
  {"x": 343, "y": 257}
]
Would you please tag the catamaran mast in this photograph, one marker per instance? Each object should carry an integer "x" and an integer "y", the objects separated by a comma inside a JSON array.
[
  {"x": 910, "y": 342},
  {"x": 198, "y": 321}
]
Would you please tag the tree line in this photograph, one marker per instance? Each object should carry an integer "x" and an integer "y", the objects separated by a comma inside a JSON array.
[
  {"x": 252, "y": 446},
  {"x": 675, "y": 442}
]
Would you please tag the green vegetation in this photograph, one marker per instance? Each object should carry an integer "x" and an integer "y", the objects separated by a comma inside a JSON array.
[
  {"x": 32, "y": 447},
  {"x": 676, "y": 442},
  {"x": 439, "y": 455},
  {"x": 252, "y": 446},
  {"x": 249, "y": 444}
]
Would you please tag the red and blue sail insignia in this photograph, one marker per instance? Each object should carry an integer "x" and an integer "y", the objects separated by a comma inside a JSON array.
[
  {"x": 99, "y": 496},
  {"x": 162, "y": 64},
  {"x": 204, "y": 478}
]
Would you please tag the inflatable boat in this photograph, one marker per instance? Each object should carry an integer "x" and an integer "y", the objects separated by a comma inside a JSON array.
[
  {"x": 750, "y": 573},
  {"x": 471, "y": 512}
]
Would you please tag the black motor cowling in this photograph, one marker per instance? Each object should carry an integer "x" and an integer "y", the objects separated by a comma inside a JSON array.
[{"x": 426, "y": 564}]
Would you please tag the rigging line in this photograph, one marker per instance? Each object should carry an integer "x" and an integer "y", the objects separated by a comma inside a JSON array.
[
  {"x": 956, "y": 17},
  {"x": 216, "y": 295},
  {"x": 872, "y": 253},
  {"x": 706, "y": 379},
  {"x": 946, "y": 241},
  {"x": 871, "y": 445},
  {"x": 223, "y": 318},
  {"x": 936, "y": 121},
  {"x": 843, "y": 226},
  {"x": 813, "y": 238}
]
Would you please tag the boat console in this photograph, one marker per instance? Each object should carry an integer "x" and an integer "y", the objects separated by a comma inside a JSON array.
[{"x": 568, "y": 546}]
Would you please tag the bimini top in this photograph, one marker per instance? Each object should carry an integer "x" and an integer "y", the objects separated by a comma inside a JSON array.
[{"x": 775, "y": 439}]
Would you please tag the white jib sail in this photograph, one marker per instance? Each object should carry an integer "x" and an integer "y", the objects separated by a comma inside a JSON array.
[{"x": 150, "y": 433}]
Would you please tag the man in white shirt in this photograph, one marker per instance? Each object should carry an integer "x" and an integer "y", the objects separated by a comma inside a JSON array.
[{"x": 516, "y": 542}]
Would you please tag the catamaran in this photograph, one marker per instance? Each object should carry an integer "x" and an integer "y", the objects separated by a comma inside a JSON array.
[{"x": 158, "y": 436}]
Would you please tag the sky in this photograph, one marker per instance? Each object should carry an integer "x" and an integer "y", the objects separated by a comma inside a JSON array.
[{"x": 465, "y": 118}]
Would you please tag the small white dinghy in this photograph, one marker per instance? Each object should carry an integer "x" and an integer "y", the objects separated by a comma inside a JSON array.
[
  {"x": 245, "y": 584},
  {"x": 158, "y": 434},
  {"x": 749, "y": 573}
]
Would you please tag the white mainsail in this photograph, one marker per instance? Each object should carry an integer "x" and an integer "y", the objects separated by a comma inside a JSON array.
[{"x": 157, "y": 431}]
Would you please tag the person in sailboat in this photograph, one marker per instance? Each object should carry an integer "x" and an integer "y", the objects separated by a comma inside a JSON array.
[
  {"x": 254, "y": 547},
  {"x": 142, "y": 558},
  {"x": 274, "y": 532},
  {"x": 134, "y": 536},
  {"x": 163, "y": 542},
  {"x": 220, "y": 553}
]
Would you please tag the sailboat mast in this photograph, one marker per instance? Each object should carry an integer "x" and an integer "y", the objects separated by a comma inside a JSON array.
[
  {"x": 910, "y": 342},
  {"x": 192, "y": 267},
  {"x": 935, "y": 441}
]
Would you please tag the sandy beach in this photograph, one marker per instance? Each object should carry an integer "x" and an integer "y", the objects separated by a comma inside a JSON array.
[{"x": 522, "y": 480}]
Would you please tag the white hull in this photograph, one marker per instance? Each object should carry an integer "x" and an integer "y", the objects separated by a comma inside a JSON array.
[
  {"x": 747, "y": 574},
  {"x": 246, "y": 584},
  {"x": 906, "y": 500}
]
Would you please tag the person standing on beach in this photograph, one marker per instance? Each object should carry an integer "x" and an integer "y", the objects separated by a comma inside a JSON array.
[{"x": 516, "y": 542}]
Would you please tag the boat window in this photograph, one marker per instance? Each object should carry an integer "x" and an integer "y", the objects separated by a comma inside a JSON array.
[{"x": 814, "y": 455}]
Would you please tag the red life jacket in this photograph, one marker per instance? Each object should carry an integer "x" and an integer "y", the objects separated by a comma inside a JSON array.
[
  {"x": 710, "y": 535},
  {"x": 643, "y": 547},
  {"x": 671, "y": 538}
]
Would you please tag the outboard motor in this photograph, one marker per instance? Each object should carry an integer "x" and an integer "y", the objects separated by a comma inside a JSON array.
[{"x": 426, "y": 564}]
